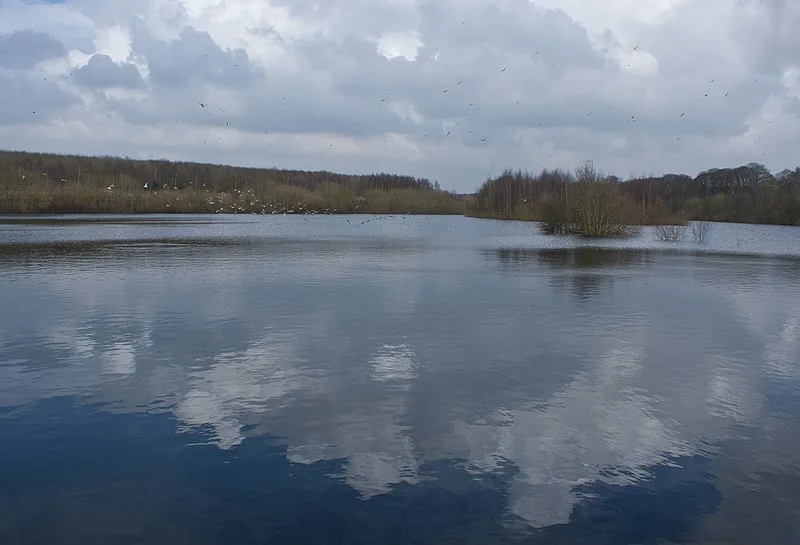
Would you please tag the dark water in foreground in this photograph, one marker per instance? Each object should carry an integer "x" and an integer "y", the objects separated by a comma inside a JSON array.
[{"x": 405, "y": 380}]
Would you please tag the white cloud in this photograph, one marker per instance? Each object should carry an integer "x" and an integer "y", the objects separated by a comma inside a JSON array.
[
  {"x": 384, "y": 82},
  {"x": 115, "y": 42},
  {"x": 394, "y": 364},
  {"x": 120, "y": 359},
  {"x": 791, "y": 79},
  {"x": 399, "y": 44},
  {"x": 239, "y": 385}
]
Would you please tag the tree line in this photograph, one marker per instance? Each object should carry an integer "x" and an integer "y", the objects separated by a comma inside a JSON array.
[
  {"x": 181, "y": 175},
  {"x": 746, "y": 194},
  {"x": 51, "y": 183}
]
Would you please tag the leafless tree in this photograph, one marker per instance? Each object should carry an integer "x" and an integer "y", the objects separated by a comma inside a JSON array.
[
  {"x": 669, "y": 233},
  {"x": 700, "y": 230}
]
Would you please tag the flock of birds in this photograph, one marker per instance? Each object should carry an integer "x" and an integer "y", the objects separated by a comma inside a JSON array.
[
  {"x": 451, "y": 131},
  {"x": 257, "y": 207},
  {"x": 247, "y": 202}
]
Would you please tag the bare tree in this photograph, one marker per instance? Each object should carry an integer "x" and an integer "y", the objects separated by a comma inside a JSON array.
[
  {"x": 700, "y": 230},
  {"x": 669, "y": 233},
  {"x": 600, "y": 208}
]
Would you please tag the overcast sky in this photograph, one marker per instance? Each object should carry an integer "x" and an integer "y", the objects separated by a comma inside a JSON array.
[{"x": 407, "y": 86}]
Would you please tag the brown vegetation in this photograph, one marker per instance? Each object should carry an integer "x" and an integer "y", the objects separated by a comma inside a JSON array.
[
  {"x": 748, "y": 194},
  {"x": 590, "y": 203},
  {"x": 585, "y": 202},
  {"x": 700, "y": 230},
  {"x": 55, "y": 184},
  {"x": 669, "y": 233}
]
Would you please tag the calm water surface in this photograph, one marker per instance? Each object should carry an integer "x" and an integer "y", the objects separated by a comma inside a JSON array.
[{"x": 230, "y": 380}]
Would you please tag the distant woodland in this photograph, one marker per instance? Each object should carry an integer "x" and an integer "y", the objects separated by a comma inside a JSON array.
[
  {"x": 37, "y": 183},
  {"x": 744, "y": 194}
]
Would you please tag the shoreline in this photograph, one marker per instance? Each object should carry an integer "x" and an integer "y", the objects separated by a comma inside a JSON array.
[{"x": 121, "y": 217}]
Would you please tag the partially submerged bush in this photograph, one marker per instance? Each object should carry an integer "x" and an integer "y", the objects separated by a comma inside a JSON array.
[
  {"x": 700, "y": 230},
  {"x": 556, "y": 219},
  {"x": 602, "y": 211},
  {"x": 592, "y": 206},
  {"x": 669, "y": 233}
]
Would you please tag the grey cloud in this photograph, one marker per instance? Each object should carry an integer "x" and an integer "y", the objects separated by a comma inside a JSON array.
[
  {"x": 508, "y": 30},
  {"x": 194, "y": 58},
  {"x": 101, "y": 72},
  {"x": 105, "y": 12},
  {"x": 25, "y": 49},
  {"x": 356, "y": 69},
  {"x": 475, "y": 52},
  {"x": 761, "y": 36},
  {"x": 546, "y": 96},
  {"x": 778, "y": 43},
  {"x": 29, "y": 99},
  {"x": 275, "y": 110},
  {"x": 561, "y": 98},
  {"x": 355, "y": 15},
  {"x": 172, "y": 11},
  {"x": 271, "y": 102}
]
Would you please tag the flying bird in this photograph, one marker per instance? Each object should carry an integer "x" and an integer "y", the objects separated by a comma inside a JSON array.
[
  {"x": 483, "y": 139},
  {"x": 202, "y": 105},
  {"x": 504, "y": 69}
]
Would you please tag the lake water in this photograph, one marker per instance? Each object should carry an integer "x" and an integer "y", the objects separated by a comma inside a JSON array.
[{"x": 374, "y": 380}]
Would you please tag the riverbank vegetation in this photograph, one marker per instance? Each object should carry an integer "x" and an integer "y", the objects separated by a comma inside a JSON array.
[
  {"x": 34, "y": 183},
  {"x": 586, "y": 201},
  {"x": 575, "y": 202}
]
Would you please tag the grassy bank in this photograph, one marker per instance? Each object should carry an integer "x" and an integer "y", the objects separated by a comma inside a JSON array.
[
  {"x": 586, "y": 201},
  {"x": 55, "y": 184},
  {"x": 269, "y": 199}
]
